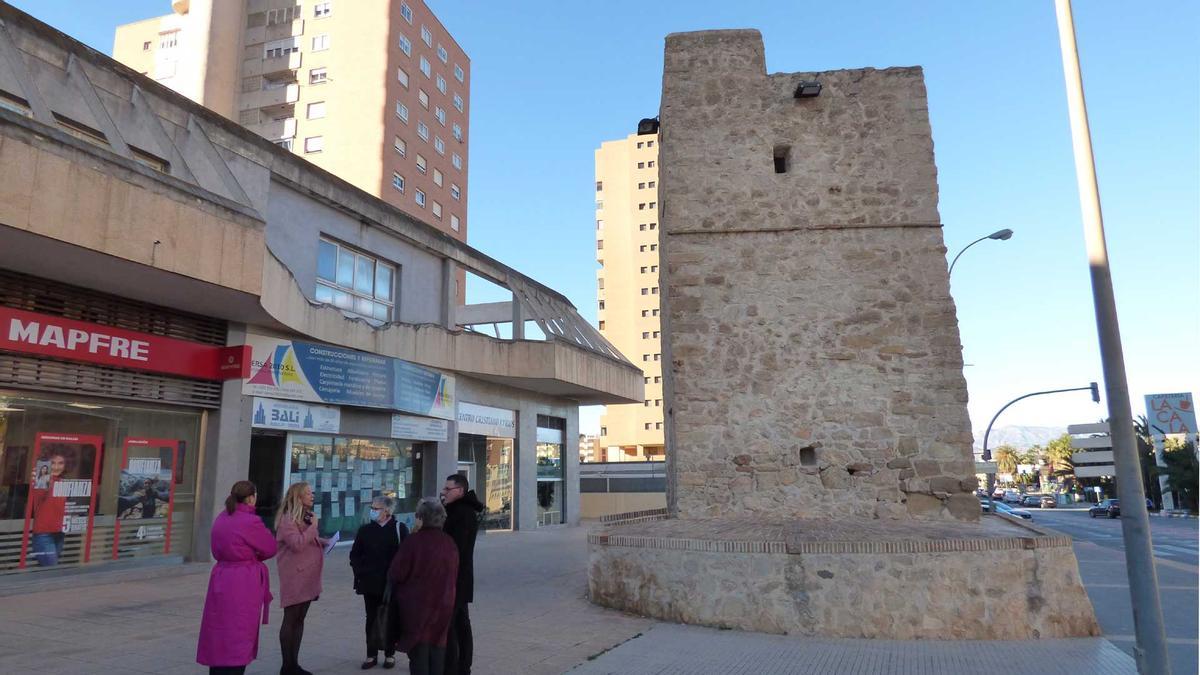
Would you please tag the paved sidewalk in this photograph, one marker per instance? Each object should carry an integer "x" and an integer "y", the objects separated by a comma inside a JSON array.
[{"x": 530, "y": 617}]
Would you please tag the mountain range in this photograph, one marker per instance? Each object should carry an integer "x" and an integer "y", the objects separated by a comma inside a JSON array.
[{"x": 1019, "y": 437}]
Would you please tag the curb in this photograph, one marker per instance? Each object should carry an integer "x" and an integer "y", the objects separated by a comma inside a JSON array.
[{"x": 1169, "y": 514}]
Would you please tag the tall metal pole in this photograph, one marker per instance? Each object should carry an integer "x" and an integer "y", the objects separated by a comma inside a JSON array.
[{"x": 1151, "y": 648}]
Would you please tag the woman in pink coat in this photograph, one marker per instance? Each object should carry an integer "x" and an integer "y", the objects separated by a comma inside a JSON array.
[
  {"x": 301, "y": 558},
  {"x": 239, "y": 588}
]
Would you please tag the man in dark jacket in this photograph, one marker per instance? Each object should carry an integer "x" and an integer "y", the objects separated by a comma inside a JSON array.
[{"x": 462, "y": 524}]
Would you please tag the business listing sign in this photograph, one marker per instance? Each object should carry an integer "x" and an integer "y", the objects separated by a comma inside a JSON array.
[
  {"x": 302, "y": 371},
  {"x": 272, "y": 414}
]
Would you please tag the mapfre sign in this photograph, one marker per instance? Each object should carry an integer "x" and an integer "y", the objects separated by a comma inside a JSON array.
[{"x": 57, "y": 337}]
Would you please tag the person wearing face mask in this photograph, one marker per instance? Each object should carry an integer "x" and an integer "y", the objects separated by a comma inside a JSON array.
[{"x": 375, "y": 545}]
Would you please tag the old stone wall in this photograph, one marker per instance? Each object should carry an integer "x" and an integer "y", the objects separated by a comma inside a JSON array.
[{"x": 816, "y": 368}]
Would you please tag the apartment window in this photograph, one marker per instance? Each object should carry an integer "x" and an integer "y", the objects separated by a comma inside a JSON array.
[
  {"x": 443, "y": 55},
  {"x": 425, "y": 67},
  {"x": 277, "y": 48},
  {"x": 650, "y": 184},
  {"x": 314, "y": 144},
  {"x": 146, "y": 48},
  {"x": 316, "y": 110},
  {"x": 454, "y": 225},
  {"x": 168, "y": 40},
  {"x": 455, "y": 192},
  {"x": 645, "y": 335},
  {"x": 420, "y": 199},
  {"x": 320, "y": 42},
  {"x": 642, "y": 206},
  {"x": 406, "y": 45},
  {"x": 458, "y": 103},
  {"x": 654, "y": 226},
  {"x": 653, "y": 247},
  {"x": 653, "y": 205},
  {"x": 654, "y": 312},
  {"x": 643, "y": 269},
  {"x": 283, "y": 15},
  {"x": 658, "y": 357},
  {"x": 646, "y": 403},
  {"x": 457, "y": 131},
  {"x": 406, "y": 12},
  {"x": 655, "y": 334},
  {"x": 400, "y": 145},
  {"x": 645, "y": 357},
  {"x": 437, "y": 210},
  {"x": 322, "y": 10},
  {"x": 423, "y": 98},
  {"x": 599, "y": 244},
  {"x": 355, "y": 281},
  {"x": 441, "y": 84},
  {"x": 456, "y": 161},
  {"x": 601, "y": 304},
  {"x": 439, "y": 145},
  {"x": 599, "y": 204},
  {"x": 402, "y": 111},
  {"x": 421, "y": 165},
  {"x": 654, "y": 291},
  {"x": 437, "y": 177},
  {"x": 641, "y": 145},
  {"x": 599, "y": 186},
  {"x": 440, "y": 114},
  {"x": 650, "y": 164},
  {"x": 641, "y": 165},
  {"x": 654, "y": 268},
  {"x": 658, "y": 425},
  {"x": 641, "y": 186},
  {"x": 647, "y": 426},
  {"x": 646, "y": 380},
  {"x": 458, "y": 73},
  {"x": 422, "y": 130},
  {"x": 285, "y": 143},
  {"x": 658, "y": 403},
  {"x": 642, "y": 248},
  {"x": 645, "y": 291},
  {"x": 642, "y": 227},
  {"x": 649, "y": 144},
  {"x": 426, "y": 36},
  {"x": 398, "y": 181},
  {"x": 657, "y": 379},
  {"x": 645, "y": 312},
  {"x": 402, "y": 77},
  {"x": 317, "y": 76}
]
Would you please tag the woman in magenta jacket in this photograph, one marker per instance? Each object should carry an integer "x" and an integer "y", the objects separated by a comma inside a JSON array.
[
  {"x": 301, "y": 558},
  {"x": 239, "y": 588}
]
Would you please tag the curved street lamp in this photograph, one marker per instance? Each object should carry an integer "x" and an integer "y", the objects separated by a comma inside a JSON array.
[{"x": 1001, "y": 235}]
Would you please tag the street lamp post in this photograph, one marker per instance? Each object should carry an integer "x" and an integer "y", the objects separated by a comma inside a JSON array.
[
  {"x": 1000, "y": 235},
  {"x": 987, "y": 453}
]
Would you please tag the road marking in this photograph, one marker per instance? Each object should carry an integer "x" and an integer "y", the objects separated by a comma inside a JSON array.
[
  {"x": 1177, "y": 565},
  {"x": 1170, "y": 640},
  {"x": 1161, "y": 587}
]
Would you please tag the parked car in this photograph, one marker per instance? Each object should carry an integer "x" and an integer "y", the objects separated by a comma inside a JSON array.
[
  {"x": 998, "y": 493},
  {"x": 1012, "y": 497},
  {"x": 1007, "y": 510},
  {"x": 1109, "y": 507},
  {"x": 1049, "y": 502},
  {"x": 1031, "y": 500}
]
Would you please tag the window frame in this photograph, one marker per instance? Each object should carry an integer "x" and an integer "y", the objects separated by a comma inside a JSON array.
[{"x": 391, "y": 304}]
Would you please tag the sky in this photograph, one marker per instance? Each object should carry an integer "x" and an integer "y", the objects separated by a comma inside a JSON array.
[{"x": 551, "y": 80}]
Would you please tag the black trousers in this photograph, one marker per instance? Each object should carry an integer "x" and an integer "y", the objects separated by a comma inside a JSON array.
[
  {"x": 372, "y": 603},
  {"x": 226, "y": 670},
  {"x": 426, "y": 659},
  {"x": 460, "y": 644}
]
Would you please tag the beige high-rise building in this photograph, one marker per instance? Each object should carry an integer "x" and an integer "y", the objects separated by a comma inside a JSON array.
[
  {"x": 375, "y": 92},
  {"x": 627, "y": 288}
]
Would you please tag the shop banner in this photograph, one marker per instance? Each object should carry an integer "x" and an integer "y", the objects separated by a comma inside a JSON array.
[
  {"x": 146, "y": 492},
  {"x": 419, "y": 428},
  {"x": 1168, "y": 414},
  {"x": 486, "y": 421},
  {"x": 272, "y": 414},
  {"x": 62, "y": 497},
  {"x": 322, "y": 374},
  {"x": 46, "y": 335}
]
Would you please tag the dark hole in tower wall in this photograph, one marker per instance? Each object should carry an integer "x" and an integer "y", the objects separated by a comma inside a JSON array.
[{"x": 783, "y": 158}]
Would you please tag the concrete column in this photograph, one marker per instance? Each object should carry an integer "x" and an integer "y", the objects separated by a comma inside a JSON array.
[
  {"x": 518, "y": 318},
  {"x": 435, "y": 469},
  {"x": 449, "y": 297},
  {"x": 571, "y": 466},
  {"x": 525, "y": 459},
  {"x": 226, "y": 455}
]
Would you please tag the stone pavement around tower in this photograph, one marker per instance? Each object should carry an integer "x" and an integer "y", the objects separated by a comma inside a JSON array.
[{"x": 530, "y": 617}]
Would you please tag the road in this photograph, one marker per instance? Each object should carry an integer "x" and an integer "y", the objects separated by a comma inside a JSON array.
[{"x": 1101, "y": 553}]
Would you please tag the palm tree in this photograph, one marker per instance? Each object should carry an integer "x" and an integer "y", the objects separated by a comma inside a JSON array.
[
  {"x": 1006, "y": 459},
  {"x": 1058, "y": 455}
]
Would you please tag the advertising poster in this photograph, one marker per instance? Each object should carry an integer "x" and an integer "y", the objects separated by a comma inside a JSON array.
[
  {"x": 301, "y": 371},
  {"x": 68, "y": 468},
  {"x": 272, "y": 414},
  {"x": 1168, "y": 414},
  {"x": 146, "y": 493}
]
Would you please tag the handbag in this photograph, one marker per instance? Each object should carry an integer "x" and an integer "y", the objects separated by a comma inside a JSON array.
[{"x": 386, "y": 627}]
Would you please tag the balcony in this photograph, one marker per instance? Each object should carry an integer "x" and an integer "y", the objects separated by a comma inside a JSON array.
[
  {"x": 260, "y": 34},
  {"x": 279, "y": 64},
  {"x": 275, "y": 130},
  {"x": 269, "y": 97}
]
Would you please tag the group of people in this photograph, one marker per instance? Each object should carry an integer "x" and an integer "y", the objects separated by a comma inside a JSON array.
[{"x": 415, "y": 588}]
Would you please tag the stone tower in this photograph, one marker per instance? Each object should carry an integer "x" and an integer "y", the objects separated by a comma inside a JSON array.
[{"x": 815, "y": 363}]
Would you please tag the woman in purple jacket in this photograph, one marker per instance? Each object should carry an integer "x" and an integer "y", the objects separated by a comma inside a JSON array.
[
  {"x": 301, "y": 559},
  {"x": 424, "y": 573},
  {"x": 239, "y": 588}
]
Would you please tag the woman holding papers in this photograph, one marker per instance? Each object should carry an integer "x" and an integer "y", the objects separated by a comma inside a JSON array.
[{"x": 301, "y": 559}]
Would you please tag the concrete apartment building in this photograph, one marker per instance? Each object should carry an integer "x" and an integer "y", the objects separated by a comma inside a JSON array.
[
  {"x": 628, "y": 290},
  {"x": 376, "y": 93}
]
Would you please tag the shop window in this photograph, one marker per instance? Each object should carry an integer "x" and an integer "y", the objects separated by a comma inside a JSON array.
[
  {"x": 488, "y": 464},
  {"x": 551, "y": 493},
  {"x": 355, "y": 282}
]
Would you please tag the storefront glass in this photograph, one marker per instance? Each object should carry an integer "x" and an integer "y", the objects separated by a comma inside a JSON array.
[
  {"x": 491, "y": 477},
  {"x": 550, "y": 492},
  {"x": 346, "y": 473},
  {"x": 88, "y": 481}
]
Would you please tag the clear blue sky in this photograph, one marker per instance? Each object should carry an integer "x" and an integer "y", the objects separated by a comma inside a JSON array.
[{"x": 553, "y": 79}]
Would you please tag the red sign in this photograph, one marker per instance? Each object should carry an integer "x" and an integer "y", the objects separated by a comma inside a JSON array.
[{"x": 34, "y": 333}]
